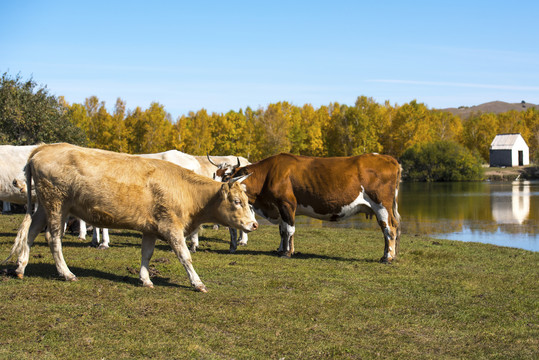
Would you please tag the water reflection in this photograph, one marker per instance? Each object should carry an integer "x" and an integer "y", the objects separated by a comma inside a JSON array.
[
  {"x": 512, "y": 207},
  {"x": 500, "y": 213}
]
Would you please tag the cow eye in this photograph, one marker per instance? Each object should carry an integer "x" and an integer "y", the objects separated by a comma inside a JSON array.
[{"x": 237, "y": 202}]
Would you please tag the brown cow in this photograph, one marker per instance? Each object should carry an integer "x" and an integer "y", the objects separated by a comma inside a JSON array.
[
  {"x": 285, "y": 185},
  {"x": 113, "y": 190}
]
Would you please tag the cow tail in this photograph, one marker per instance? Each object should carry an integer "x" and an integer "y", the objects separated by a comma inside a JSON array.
[
  {"x": 396, "y": 211},
  {"x": 22, "y": 234}
]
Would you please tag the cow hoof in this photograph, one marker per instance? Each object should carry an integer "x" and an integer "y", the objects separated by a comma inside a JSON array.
[
  {"x": 82, "y": 239},
  {"x": 385, "y": 260},
  {"x": 103, "y": 247},
  {"x": 201, "y": 288},
  {"x": 73, "y": 278}
]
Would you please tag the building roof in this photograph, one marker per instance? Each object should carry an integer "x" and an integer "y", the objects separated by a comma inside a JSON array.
[{"x": 505, "y": 141}]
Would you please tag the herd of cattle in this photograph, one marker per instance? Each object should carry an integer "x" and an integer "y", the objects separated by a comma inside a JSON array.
[{"x": 170, "y": 195}]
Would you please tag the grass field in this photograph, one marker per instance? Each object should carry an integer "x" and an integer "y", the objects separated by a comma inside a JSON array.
[{"x": 334, "y": 300}]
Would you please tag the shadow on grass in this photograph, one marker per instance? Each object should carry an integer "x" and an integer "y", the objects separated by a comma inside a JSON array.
[
  {"x": 9, "y": 235},
  {"x": 298, "y": 255},
  {"x": 48, "y": 272}
]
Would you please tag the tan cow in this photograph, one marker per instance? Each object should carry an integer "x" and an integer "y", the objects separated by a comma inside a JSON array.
[{"x": 113, "y": 190}]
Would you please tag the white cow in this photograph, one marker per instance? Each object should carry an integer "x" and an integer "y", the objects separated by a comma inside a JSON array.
[
  {"x": 209, "y": 165},
  {"x": 99, "y": 186},
  {"x": 12, "y": 161}
]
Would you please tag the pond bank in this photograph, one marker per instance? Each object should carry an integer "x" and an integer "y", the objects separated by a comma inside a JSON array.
[{"x": 512, "y": 173}]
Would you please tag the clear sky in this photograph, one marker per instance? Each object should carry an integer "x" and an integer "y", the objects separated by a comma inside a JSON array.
[{"x": 228, "y": 55}]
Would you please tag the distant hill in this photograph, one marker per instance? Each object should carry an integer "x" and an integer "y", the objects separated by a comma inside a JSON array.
[{"x": 495, "y": 107}]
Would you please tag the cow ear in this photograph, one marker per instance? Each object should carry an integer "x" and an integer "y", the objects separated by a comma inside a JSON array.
[
  {"x": 239, "y": 179},
  {"x": 225, "y": 190}
]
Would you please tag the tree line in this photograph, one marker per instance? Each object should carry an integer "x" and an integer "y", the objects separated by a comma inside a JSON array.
[{"x": 29, "y": 115}]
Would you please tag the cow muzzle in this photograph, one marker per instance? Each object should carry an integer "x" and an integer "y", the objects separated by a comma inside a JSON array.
[{"x": 251, "y": 227}]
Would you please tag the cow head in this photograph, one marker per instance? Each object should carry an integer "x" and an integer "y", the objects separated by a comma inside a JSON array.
[
  {"x": 224, "y": 169},
  {"x": 228, "y": 171},
  {"x": 234, "y": 208}
]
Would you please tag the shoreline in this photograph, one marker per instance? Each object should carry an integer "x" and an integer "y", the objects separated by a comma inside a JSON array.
[{"x": 530, "y": 172}]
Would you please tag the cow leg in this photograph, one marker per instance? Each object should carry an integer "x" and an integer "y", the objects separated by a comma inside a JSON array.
[
  {"x": 6, "y": 207},
  {"x": 242, "y": 238},
  {"x": 287, "y": 211},
  {"x": 389, "y": 227},
  {"x": 233, "y": 240},
  {"x": 237, "y": 237},
  {"x": 56, "y": 232},
  {"x": 182, "y": 252},
  {"x": 106, "y": 240},
  {"x": 83, "y": 231},
  {"x": 193, "y": 238},
  {"x": 148, "y": 245},
  {"x": 39, "y": 221},
  {"x": 95, "y": 237},
  {"x": 286, "y": 249}
]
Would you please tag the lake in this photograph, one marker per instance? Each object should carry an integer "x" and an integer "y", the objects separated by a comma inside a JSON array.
[{"x": 499, "y": 213}]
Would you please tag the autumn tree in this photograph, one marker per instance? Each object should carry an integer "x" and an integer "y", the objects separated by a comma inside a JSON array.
[
  {"x": 479, "y": 131},
  {"x": 531, "y": 119},
  {"x": 335, "y": 133},
  {"x": 252, "y": 134},
  {"x": 227, "y": 133},
  {"x": 119, "y": 132},
  {"x": 365, "y": 121},
  {"x": 195, "y": 132},
  {"x": 411, "y": 125},
  {"x": 151, "y": 130},
  {"x": 313, "y": 122},
  {"x": 275, "y": 125},
  {"x": 446, "y": 126}
]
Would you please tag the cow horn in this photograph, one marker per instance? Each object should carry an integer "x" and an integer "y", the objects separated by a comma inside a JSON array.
[
  {"x": 237, "y": 166},
  {"x": 211, "y": 162},
  {"x": 239, "y": 179}
]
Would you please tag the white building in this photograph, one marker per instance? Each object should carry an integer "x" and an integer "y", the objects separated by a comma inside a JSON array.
[{"x": 509, "y": 150}]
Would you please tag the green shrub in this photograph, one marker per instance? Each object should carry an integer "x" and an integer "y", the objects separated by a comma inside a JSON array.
[
  {"x": 29, "y": 115},
  {"x": 441, "y": 161}
]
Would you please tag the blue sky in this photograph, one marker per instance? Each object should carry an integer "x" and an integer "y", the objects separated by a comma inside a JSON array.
[{"x": 227, "y": 55}]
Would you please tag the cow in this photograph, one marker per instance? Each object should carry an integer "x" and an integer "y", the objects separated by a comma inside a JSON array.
[
  {"x": 285, "y": 185},
  {"x": 114, "y": 190},
  {"x": 13, "y": 187},
  {"x": 174, "y": 156},
  {"x": 210, "y": 166},
  {"x": 12, "y": 161},
  {"x": 184, "y": 160}
]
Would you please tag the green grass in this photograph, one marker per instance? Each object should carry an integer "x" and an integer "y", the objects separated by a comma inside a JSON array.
[{"x": 440, "y": 299}]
